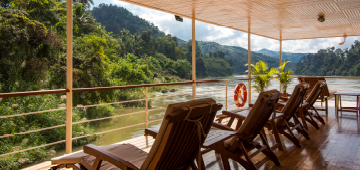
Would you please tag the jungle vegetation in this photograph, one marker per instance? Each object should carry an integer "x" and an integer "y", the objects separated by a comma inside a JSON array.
[
  {"x": 33, "y": 57},
  {"x": 331, "y": 62}
]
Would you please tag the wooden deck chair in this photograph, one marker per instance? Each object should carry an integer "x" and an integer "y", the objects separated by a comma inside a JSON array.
[
  {"x": 308, "y": 116},
  {"x": 243, "y": 142},
  {"x": 283, "y": 118},
  {"x": 176, "y": 146},
  {"x": 324, "y": 96}
]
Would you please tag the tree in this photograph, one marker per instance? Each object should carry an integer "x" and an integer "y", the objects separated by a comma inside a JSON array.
[{"x": 27, "y": 49}]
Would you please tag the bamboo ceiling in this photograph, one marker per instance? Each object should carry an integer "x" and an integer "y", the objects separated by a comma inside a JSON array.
[{"x": 294, "y": 19}]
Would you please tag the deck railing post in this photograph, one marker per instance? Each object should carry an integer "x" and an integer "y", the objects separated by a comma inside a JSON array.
[
  {"x": 147, "y": 112},
  {"x": 147, "y": 106},
  {"x": 69, "y": 78},
  {"x": 226, "y": 95}
]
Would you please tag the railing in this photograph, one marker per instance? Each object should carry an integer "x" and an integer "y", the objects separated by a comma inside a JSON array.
[
  {"x": 331, "y": 84},
  {"x": 75, "y": 90}
]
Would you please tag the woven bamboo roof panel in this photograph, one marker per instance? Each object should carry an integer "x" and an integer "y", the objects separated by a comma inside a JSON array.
[{"x": 293, "y": 19}]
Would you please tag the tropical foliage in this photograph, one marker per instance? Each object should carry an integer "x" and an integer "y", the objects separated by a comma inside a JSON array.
[
  {"x": 261, "y": 76},
  {"x": 284, "y": 76},
  {"x": 33, "y": 57}
]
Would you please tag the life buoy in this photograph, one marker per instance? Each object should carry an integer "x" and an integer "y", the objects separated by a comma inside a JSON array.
[{"x": 240, "y": 92}]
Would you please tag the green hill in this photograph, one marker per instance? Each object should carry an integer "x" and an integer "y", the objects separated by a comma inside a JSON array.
[
  {"x": 239, "y": 56},
  {"x": 331, "y": 62},
  {"x": 293, "y": 57},
  {"x": 116, "y": 18}
]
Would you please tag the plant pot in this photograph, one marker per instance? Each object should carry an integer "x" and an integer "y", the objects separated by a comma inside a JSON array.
[{"x": 285, "y": 95}]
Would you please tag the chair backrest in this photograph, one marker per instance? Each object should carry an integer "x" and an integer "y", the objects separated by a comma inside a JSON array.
[
  {"x": 177, "y": 143},
  {"x": 258, "y": 116},
  {"x": 312, "y": 80},
  {"x": 315, "y": 92},
  {"x": 295, "y": 100}
]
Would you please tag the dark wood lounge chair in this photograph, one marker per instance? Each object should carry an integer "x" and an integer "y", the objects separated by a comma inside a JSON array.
[
  {"x": 309, "y": 112},
  {"x": 243, "y": 141},
  {"x": 176, "y": 146},
  {"x": 283, "y": 118},
  {"x": 324, "y": 96}
]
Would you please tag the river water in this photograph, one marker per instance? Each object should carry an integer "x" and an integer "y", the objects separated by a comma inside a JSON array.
[{"x": 203, "y": 91}]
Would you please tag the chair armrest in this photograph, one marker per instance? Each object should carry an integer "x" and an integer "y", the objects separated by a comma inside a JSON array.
[
  {"x": 150, "y": 132},
  {"x": 105, "y": 155},
  {"x": 221, "y": 126}
]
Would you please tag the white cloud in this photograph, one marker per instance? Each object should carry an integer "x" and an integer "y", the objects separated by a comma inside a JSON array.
[{"x": 207, "y": 32}]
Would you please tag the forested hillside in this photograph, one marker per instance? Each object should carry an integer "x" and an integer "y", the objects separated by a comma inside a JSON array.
[
  {"x": 293, "y": 57},
  {"x": 238, "y": 56},
  {"x": 33, "y": 57},
  {"x": 331, "y": 62},
  {"x": 116, "y": 18}
]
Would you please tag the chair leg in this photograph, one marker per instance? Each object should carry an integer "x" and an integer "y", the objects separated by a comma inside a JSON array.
[
  {"x": 326, "y": 106},
  {"x": 268, "y": 152},
  {"x": 277, "y": 136},
  {"x": 302, "y": 116},
  {"x": 250, "y": 164},
  {"x": 301, "y": 129},
  {"x": 318, "y": 117},
  {"x": 225, "y": 161},
  {"x": 291, "y": 136},
  {"x": 311, "y": 120}
]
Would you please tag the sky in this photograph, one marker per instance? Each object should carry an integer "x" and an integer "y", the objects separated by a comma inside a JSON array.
[{"x": 225, "y": 36}]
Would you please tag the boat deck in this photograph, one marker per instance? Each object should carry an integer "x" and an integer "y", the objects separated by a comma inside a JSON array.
[{"x": 336, "y": 145}]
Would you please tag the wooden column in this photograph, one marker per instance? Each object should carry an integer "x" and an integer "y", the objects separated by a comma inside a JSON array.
[
  {"x": 280, "y": 48},
  {"x": 69, "y": 78},
  {"x": 193, "y": 55},
  {"x": 249, "y": 61},
  {"x": 281, "y": 89}
]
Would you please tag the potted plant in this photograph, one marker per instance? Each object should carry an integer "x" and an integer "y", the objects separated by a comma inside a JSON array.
[
  {"x": 261, "y": 76},
  {"x": 284, "y": 76}
]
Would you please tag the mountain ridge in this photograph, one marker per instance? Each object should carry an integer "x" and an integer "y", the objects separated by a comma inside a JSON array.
[{"x": 293, "y": 57}]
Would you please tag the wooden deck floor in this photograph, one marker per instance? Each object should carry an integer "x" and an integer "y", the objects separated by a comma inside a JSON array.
[{"x": 335, "y": 145}]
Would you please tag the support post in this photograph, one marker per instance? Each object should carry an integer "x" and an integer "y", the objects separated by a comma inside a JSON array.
[
  {"x": 281, "y": 89},
  {"x": 249, "y": 60},
  {"x": 69, "y": 78},
  {"x": 193, "y": 55},
  {"x": 226, "y": 95},
  {"x": 147, "y": 106},
  {"x": 147, "y": 113}
]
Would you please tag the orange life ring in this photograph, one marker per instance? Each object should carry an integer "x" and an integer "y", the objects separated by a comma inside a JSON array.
[{"x": 240, "y": 88}]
